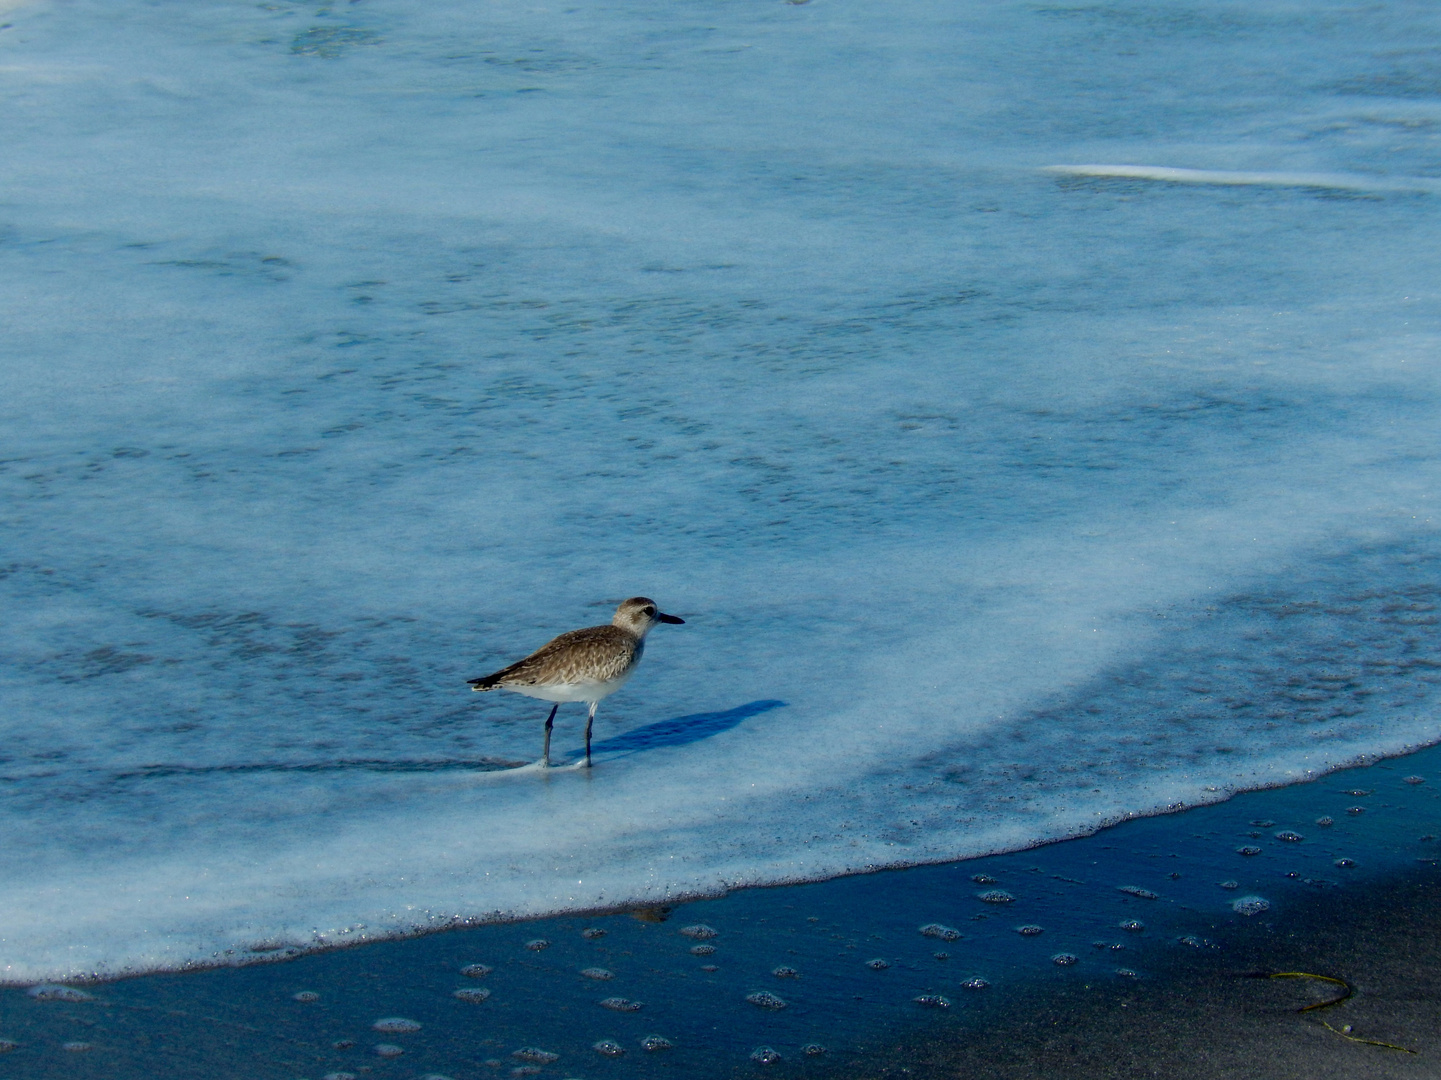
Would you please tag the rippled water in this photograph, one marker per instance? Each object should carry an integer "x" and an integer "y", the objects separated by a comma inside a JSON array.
[{"x": 354, "y": 350}]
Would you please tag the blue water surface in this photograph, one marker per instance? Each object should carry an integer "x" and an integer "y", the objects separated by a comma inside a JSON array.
[{"x": 354, "y": 350}]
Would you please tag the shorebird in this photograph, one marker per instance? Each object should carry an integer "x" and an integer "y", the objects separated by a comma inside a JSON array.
[{"x": 582, "y": 665}]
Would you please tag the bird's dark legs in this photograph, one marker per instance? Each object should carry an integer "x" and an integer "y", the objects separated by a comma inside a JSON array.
[
  {"x": 549, "y": 723},
  {"x": 588, "y": 722}
]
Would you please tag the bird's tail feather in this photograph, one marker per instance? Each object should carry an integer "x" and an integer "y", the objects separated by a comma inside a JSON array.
[{"x": 490, "y": 682}]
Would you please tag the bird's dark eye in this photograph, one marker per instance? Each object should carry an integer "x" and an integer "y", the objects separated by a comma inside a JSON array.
[{"x": 650, "y": 611}]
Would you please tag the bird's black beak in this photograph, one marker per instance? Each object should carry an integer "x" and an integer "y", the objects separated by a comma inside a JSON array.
[{"x": 662, "y": 617}]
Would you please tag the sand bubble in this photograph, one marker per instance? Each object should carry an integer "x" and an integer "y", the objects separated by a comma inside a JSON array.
[
  {"x": 620, "y": 1004},
  {"x": 395, "y": 1025},
  {"x": 1136, "y": 890}
]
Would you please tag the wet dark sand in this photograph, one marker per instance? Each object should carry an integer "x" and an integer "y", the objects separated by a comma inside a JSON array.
[
  {"x": 1136, "y": 960},
  {"x": 1213, "y": 1018}
]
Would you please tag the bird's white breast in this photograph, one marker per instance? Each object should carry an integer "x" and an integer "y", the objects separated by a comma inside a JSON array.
[{"x": 576, "y": 691}]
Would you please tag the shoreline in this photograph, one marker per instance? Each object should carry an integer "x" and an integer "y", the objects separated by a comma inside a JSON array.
[
  {"x": 279, "y": 950},
  {"x": 1116, "y": 951}
]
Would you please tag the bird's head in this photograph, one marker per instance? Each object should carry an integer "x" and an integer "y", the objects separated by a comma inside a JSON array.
[{"x": 639, "y": 614}]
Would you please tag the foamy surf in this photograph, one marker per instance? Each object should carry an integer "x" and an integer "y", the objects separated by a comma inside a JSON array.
[{"x": 344, "y": 361}]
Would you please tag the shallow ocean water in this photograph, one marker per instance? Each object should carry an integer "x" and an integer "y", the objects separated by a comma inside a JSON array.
[
  {"x": 831, "y": 978},
  {"x": 353, "y": 350}
]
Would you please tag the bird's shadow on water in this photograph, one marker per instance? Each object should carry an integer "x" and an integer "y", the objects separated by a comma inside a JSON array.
[{"x": 682, "y": 730}]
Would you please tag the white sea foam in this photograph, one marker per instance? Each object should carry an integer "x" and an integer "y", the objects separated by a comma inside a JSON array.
[
  {"x": 352, "y": 353},
  {"x": 1233, "y": 178}
]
